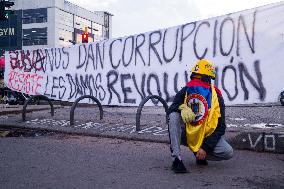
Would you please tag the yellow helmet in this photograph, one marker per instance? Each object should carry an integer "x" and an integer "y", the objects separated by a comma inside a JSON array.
[{"x": 204, "y": 67}]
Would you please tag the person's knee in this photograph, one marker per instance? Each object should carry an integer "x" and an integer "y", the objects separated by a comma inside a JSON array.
[
  {"x": 174, "y": 119},
  {"x": 229, "y": 153},
  {"x": 174, "y": 116}
]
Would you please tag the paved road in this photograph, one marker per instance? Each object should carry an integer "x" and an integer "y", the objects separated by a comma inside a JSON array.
[{"x": 64, "y": 161}]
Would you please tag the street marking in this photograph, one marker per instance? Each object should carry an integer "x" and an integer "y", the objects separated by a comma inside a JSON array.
[
  {"x": 256, "y": 142},
  {"x": 272, "y": 148},
  {"x": 237, "y": 118},
  {"x": 155, "y": 130},
  {"x": 4, "y": 117}
]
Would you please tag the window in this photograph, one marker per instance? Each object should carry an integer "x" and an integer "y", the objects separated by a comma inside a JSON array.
[
  {"x": 81, "y": 23},
  {"x": 106, "y": 24},
  {"x": 65, "y": 37},
  {"x": 97, "y": 30},
  {"x": 65, "y": 19},
  {"x": 35, "y": 36},
  {"x": 34, "y": 16}
]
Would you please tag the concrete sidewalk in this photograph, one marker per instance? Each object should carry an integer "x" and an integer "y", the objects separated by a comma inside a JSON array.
[{"x": 253, "y": 128}]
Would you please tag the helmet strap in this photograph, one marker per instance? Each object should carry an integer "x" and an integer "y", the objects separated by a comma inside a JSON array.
[{"x": 202, "y": 77}]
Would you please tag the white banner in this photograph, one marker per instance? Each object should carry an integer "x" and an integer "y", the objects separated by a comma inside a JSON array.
[{"x": 246, "y": 47}]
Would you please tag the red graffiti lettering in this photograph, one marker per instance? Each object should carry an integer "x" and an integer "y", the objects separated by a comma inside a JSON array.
[{"x": 25, "y": 82}]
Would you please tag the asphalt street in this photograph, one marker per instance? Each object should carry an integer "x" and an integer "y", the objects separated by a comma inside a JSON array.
[{"x": 65, "y": 161}]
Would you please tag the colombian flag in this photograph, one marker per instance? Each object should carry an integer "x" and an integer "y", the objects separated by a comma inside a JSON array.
[{"x": 202, "y": 98}]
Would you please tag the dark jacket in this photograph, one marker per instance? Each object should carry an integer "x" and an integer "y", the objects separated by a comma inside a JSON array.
[{"x": 211, "y": 141}]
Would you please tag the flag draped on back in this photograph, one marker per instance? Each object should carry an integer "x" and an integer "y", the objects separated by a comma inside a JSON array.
[{"x": 202, "y": 98}]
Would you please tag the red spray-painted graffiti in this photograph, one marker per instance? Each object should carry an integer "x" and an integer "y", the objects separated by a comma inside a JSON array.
[{"x": 25, "y": 82}]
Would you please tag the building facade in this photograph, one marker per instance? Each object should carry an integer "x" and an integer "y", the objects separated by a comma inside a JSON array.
[{"x": 51, "y": 23}]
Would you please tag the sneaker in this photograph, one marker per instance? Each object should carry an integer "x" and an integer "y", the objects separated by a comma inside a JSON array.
[
  {"x": 178, "y": 166},
  {"x": 201, "y": 162}
]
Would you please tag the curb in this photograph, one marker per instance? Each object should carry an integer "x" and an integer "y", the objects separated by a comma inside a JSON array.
[{"x": 272, "y": 142}]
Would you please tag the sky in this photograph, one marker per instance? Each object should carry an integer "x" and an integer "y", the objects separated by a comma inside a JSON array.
[{"x": 140, "y": 16}]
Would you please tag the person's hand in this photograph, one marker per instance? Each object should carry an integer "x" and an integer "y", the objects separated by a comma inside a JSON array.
[
  {"x": 187, "y": 114},
  {"x": 201, "y": 154}
]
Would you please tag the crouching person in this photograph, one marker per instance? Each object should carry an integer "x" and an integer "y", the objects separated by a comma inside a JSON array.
[{"x": 197, "y": 119}]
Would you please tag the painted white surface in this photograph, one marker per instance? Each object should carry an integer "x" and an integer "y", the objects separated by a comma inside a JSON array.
[
  {"x": 256, "y": 125},
  {"x": 122, "y": 71}
]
